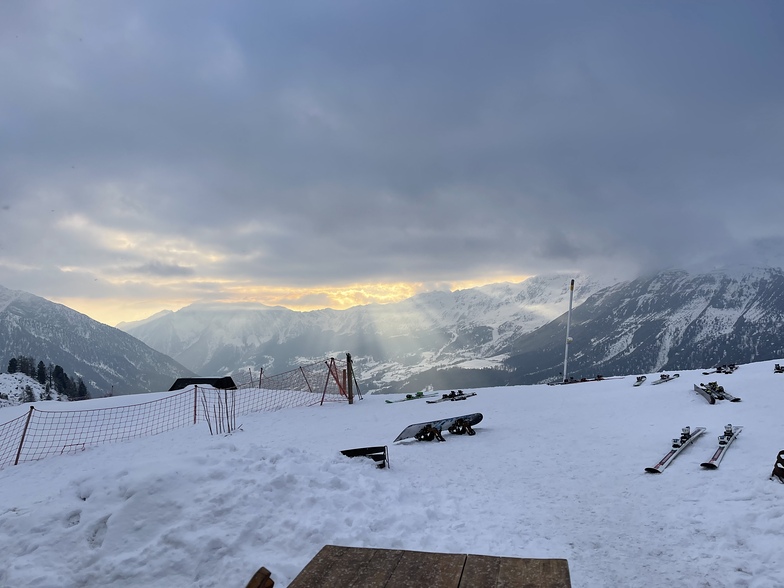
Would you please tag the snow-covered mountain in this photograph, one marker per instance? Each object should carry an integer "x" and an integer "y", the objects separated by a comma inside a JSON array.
[
  {"x": 496, "y": 335},
  {"x": 671, "y": 321},
  {"x": 106, "y": 358},
  {"x": 503, "y": 334},
  {"x": 390, "y": 342}
]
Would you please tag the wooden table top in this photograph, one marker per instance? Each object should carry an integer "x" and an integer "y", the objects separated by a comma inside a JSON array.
[{"x": 362, "y": 567}]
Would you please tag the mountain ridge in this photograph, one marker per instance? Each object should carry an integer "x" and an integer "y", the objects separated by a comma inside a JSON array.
[
  {"x": 107, "y": 359},
  {"x": 430, "y": 329},
  {"x": 494, "y": 335}
]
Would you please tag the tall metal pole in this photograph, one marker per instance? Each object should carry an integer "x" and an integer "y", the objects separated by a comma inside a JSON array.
[{"x": 568, "y": 325}]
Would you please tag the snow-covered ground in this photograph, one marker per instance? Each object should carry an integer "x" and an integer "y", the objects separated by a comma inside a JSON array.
[{"x": 553, "y": 472}]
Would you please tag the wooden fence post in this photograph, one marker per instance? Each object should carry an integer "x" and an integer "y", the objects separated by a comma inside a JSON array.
[
  {"x": 350, "y": 378},
  {"x": 24, "y": 434}
]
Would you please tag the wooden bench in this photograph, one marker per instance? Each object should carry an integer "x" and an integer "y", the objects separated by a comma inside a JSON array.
[{"x": 361, "y": 567}]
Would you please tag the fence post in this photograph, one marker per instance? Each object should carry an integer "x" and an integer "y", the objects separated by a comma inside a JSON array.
[
  {"x": 306, "y": 380},
  {"x": 195, "y": 400},
  {"x": 350, "y": 383},
  {"x": 24, "y": 434}
]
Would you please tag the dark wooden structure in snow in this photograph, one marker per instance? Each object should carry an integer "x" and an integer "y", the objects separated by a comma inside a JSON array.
[
  {"x": 379, "y": 454},
  {"x": 224, "y": 383},
  {"x": 362, "y": 567}
]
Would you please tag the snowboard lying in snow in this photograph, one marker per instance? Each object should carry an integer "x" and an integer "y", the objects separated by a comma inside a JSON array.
[{"x": 432, "y": 429}]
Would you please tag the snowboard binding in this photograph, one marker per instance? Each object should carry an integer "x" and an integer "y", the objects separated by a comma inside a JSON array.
[
  {"x": 461, "y": 427},
  {"x": 429, "y": 433}
]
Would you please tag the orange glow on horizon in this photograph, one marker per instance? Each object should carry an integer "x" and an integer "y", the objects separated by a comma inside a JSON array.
[{"x": 112, "y": 311}]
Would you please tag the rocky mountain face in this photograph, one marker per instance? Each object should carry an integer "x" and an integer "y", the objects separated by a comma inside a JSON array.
[
  {"x": 107, "y": 359},
  {"x": 676, "y": 321},
  {"x": 671, "y": 321}
]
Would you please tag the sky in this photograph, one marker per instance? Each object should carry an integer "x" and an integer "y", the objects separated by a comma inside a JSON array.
[
  {"x": 324, "y": 154},
  {"x": 552, "y": 472}
]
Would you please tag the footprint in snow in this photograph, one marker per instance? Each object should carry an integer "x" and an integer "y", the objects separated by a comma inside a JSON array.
[{"x": 73, "y": 518}]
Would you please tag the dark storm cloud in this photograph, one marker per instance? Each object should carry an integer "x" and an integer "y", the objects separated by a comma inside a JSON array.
[
  {"x": 312, "y": 142},
  {"x": 161, "y": 269}
]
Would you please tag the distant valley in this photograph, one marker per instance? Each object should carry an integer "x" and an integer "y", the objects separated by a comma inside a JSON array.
[{"x": 495, "y": 335}]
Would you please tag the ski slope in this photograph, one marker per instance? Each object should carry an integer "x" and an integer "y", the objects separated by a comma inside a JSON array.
[{"x": 553, "y": 472}]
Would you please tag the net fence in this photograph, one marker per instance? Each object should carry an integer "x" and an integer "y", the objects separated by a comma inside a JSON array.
[{"x": 43, "y": 433}]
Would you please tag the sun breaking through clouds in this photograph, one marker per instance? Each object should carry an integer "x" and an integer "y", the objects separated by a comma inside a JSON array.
[{"x": 332, "y": 153}]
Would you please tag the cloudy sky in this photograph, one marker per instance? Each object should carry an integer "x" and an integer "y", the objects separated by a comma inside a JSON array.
[{"x": 313, "y": 154}]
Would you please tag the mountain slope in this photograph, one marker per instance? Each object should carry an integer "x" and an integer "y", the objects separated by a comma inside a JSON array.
[
  {"x": 670, "y": 321},
  {"x": 389, "y": 342},
  {"x": 107, "y": 359}
]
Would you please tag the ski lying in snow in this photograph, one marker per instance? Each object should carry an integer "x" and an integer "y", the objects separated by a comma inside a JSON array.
[
  {"x": 665, "y": 378},
  {"x": 416, "y": 396},
  {"x": 459, "y": 395},
  {"x": 678, "y": 445},
  {"x": 724, "y": 395},
  {"x": 705, "y": 393},
  {"x": 640, "y": 380},
  {"x": 432, "y": 430},
  {"x": 725, "y": 440}
]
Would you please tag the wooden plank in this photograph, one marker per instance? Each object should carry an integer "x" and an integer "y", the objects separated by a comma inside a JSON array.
[
  {"x": 333, "y": 566},
  {"x": 377, "y": 570},
  {"x": 261, "y": 579},
  {"x": 433, "y": 570},
  {"x": 361, "y": 567},
  {"x": 480, "y": 571},
  {"x": 533, "y": 573}
]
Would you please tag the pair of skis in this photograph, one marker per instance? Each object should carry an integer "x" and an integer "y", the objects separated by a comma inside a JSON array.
[
  {"x": 415, "y": 396},
  {"x": 722, "y": 369},
  {"x": 460, "y": 395},
  {"x": 713, "y": 392},
  {"x": 662, "y": 378},
  {"x": 687, "y": 438}
]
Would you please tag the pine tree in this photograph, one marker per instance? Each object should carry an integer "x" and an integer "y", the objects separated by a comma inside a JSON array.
[
  {"x": 26, "y": 365},
  {"x": 41, "y": 373},
  {"x": 81, "y": 390},
  {"x": 49, "y": 374},
  {"x": 61, "y": 380},
  {"x": 70, "y": 388},
  {"x": 13, "y": 365},
  {"x": 28, "y": 395}
]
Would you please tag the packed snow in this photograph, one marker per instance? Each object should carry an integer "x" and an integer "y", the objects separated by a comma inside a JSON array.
[{"x": 552, "y": 472}]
